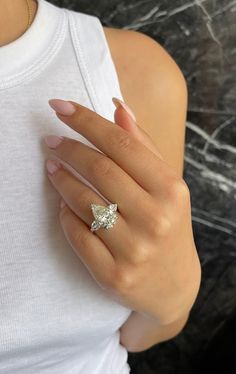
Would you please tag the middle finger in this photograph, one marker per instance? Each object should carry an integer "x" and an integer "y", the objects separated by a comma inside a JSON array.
[{"x": 103, "y": 173}]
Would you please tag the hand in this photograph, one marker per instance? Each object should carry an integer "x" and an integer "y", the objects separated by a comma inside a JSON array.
[{"x": 148, "y": 261}]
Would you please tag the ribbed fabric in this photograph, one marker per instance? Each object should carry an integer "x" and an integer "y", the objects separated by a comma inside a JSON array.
[{"x": 54, "y": 317}]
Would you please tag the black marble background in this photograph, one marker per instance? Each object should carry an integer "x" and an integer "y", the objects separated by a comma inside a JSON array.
[{"x": 201, "y": 36}]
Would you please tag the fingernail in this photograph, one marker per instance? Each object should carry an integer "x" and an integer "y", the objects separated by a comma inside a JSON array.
[
  {"x": 62, "y": 106},
  {"x": 118, "y": 102},
  {"x": 52, "y": 166},
  {"x": 53, "y": 141},
  {"x": 62, "y": 204}
]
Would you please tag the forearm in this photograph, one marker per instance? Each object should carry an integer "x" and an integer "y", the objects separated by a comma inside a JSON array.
[{"x": 139, "y": 333}]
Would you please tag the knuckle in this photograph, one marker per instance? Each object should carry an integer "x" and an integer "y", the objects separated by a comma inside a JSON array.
[
  {"x": 140, "y": 255},
  {"x": 101, "y": 166},
  {"x": 120, "y": 140},
  {"x": 160, "y": 225},
  {"x": 123, "y": 280},
  {"x": 178, "y": 189},
  {"x": 156, "y": 219},
  {"x": 163, "y": 226}
]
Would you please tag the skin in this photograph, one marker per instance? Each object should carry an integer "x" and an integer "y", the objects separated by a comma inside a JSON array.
[
  {"x": 154, "y": 87},
  {"x": 148, "y": 278},
  {"x": 14, "y": 19}
]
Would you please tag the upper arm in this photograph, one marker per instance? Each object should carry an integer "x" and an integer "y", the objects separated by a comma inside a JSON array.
[{"x": 153, "y": 85}]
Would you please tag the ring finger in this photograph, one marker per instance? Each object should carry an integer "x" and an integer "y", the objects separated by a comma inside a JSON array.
[{"x": 78, "y": 197}]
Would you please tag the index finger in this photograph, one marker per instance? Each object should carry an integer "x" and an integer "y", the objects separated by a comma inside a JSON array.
[{"x": 145, "y": 167}]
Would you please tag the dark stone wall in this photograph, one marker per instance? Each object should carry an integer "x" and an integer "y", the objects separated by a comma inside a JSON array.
[{"x": 201, "y": 36}]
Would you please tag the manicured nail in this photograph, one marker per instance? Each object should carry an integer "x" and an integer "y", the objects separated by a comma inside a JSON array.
[
  {"x": 62, "y": 204},
  {"x": 53, "y": 141},
  {"x": 118, "y": 102},
  {"x": 62, "y": 107},
  {"x": 52, "y": 166}
]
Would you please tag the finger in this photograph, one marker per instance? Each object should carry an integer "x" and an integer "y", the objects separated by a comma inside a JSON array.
[
  {"x": 79, "y": 198},
  {"x": 89, "y": 248},
  {"x": 102, "y": 172},
  {"x": 127, "y": 152},
  {"x": 124, "y": 120}
]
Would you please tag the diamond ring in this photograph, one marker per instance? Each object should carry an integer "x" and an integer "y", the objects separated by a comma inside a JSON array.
[{"x": 104, "y": 216}]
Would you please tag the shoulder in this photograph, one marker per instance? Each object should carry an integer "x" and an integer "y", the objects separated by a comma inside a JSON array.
[{"x": 153, "y": 85}]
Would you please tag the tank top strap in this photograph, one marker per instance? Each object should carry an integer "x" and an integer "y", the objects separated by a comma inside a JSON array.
[{"x": 95, "y": 62}]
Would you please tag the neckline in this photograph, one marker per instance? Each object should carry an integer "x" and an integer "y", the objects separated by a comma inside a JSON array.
[{"x": 25, "y": 57}]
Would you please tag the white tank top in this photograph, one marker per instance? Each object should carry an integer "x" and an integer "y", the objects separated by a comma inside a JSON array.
[{"x": 54, "y": 317}]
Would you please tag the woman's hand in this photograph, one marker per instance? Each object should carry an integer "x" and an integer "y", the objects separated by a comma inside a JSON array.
[{"x": 148, "y": 261}]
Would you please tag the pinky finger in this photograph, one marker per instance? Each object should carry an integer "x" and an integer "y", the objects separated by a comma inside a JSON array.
[{"x": 89, "y": 247}]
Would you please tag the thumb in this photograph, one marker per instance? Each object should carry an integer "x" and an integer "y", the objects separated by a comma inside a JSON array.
[{"x": 125, "y": 118}]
